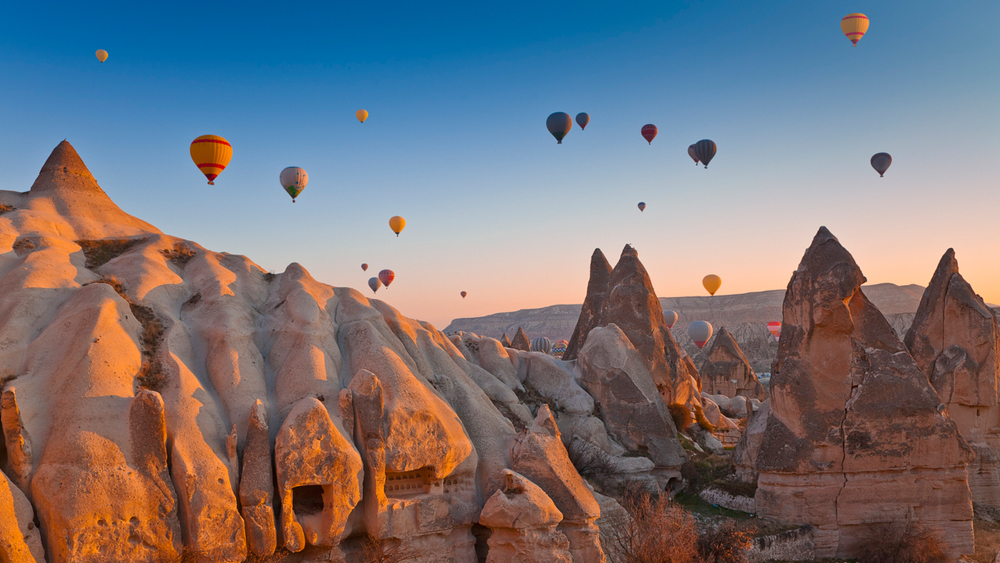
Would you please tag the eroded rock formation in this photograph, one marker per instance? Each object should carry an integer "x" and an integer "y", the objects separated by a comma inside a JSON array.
[
  {"x": 520, "y": 341},
  {"x": 727, "y": 371},
  {"x": 523, "y": 521},
  {"x": 851, "y": 413}
]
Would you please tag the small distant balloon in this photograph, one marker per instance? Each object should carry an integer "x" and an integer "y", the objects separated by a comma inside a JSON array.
[
  {"x": 464, "y": 293},
  {"x": 211, "y": 154},
  {"x": 854, "y": 27},
  {"x": 362, "y": 115},
  {"x": 712, "y": 283},
  {"x": 582, "y": 119},
  {"x": 559, "y": 348},
  {"x": 693, "y": 154},
  {"x": 294, "y": 180},
  {"x": 700, "y": 332},
  {"x": 374, "y": 283},
  {"x": 705, "y": 150},
  {"x": 541, "y": 344},
  {"x": 642, "y": 206},
  {"x": 397, "y": 224},
  {"x": 881, "y": 162},
  {"x": 670, "y": 317},
  {"x": 386, "y": 277},
  {"x": 559, "y": 124},
  {"x": 775, "y": 328},
  {"x": 102, "y": 55},
  {"x": 364, "y": 267},
  {"x": 649, "y": 132}
]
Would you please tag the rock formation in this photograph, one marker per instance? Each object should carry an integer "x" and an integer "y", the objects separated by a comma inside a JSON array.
[
  {"x": 851, "y": 413},
  {"x": 520, "y": 341},
  {"x": 954, "y": 340},
  {"x": 590, "y": 313},
  {"x": 727, "y": 371},
  {"x": 504, "y": 341},
  {"x": 523, "y": 522}
]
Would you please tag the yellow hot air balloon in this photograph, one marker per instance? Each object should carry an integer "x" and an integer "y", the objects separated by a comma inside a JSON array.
[
  {"x": 396, "y": 224},
  {"x": 102, "y": 55},
  {"x": 211, "y": 154},
  {"x": 854, "y": 27},
  {"x": 712, "y": 283},
  {"x": 362, "y": 115}
]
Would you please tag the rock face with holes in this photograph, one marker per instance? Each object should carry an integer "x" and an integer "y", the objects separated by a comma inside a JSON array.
[
  {"x": 954, "y": 340},
  {"x": 727, "y": 371},
  {"x": 851, "y": 413},
  {"x": 523, "y": 521}
]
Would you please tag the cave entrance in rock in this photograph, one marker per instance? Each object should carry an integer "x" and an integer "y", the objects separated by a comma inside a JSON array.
[{"x": 307, "y": 500}]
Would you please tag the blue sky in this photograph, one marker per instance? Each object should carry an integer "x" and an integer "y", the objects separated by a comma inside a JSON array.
[{"x": 456, "y": 142}]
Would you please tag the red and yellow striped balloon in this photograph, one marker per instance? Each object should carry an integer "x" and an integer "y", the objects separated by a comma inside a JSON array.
[
  {"x": 211, "y": 154},
  {"x": 854, "y": 27}
]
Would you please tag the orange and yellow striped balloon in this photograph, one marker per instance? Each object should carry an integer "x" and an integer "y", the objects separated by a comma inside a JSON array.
[
  {"x": 211, "y": 154},
  {"x": 854, "y": 27}
]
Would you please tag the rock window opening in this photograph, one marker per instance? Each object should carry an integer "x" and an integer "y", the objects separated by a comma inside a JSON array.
[{"x": 307, "y": 500}]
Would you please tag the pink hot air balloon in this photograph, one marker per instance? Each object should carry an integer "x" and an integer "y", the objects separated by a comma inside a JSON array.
[
  {"x": 775, "y": 328},
  {"x": 670, "y": 317},
  {"x": 700, "y": 332},
  {"x": 364, "y": 267},
  {"x": 386, "y": 277},
  {"x": 649, "y": 132}
]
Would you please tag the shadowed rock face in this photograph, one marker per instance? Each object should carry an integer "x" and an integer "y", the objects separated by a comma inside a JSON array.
[
  {"x": 520, "y": 341},
  {"x": 851, "y": 413},
  {"x": 727, "y": 371},
  {"x": 954, "y": 339},
  {"x": 597, "y": 291}
]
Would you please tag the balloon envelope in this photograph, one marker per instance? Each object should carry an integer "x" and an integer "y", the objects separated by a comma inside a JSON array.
[
  {"x": 541, "y": 344},
  {"x": 712, "y": 283},
  {"x": 464, "y": 293},
  {"x": 700, "y": 332},
  {"x": 881, "y": 162},
  {"x": 775, "y": 328},
  {"x": 642, "y": 206},
  {"x": 386, "y": 277},
  {"x": 670, "y": 317},
  {"x": 693, "y": 154},
  {"x": 705, "y": 150},
  {"x": 397, "y": 224},
  {"x": 294, "y": 180},
  {"x": 102, "y": 55},
  {"x": 374, "y": 283},
  {"x": 211, "y": 154},
  {"x": 364, "y": 267},
  {"x": 362, "y": 115},
  {"x": 854, "y": 26},
  {"x": 559, "y": 123},
  {"x": 649, "y": 132},
  {"x": 582, "y": 119}
]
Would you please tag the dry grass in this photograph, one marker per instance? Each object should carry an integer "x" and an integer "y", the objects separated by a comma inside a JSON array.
[
  {"x": 180, "y": 254},
  {"x": 987, "y": 541},
  {"x": 657, "y": 531},
  {"x": 899, "y": 542},
  {"x": 726, "y": 543},
  {"x": 590, "y": 461},
  {"x": 100, "y": 252},
  {"x": 683, "y": 418},
  {"x": 699, "y": 415},
  {"x": 382, "y": 551},
  {"x": 4, "y": 208},
  {"x": 115, "y": 284}
]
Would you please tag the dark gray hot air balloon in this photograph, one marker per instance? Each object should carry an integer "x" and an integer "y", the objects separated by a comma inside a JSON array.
[
  {"x": 582, "y": 119},
  {"x": 692, "y": 154},
  {"x": 704, "y": 150},
  {"x": 642, "y": 206},
  {"x": 881, "y": 162},
  {"x": 559, "y": 123},
  {"x": 374, "y": 283}
]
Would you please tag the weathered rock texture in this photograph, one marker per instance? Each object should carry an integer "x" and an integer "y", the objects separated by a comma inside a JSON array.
[
  {"x": 851, "y": 413},
  {"x": 590, "y": 313},
  {"x": 523, "y": 522},
  {"x": 954, "y": 340},
  {"x": 520, "y": 341},
  {"x": 727, "y": 371}
]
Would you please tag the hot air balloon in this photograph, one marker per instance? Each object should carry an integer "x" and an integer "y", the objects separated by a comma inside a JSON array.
[
  {"x": 582, "y": 119},
  {"x": 374, "y": 284},
  {"x": 211, "y": 154},
  {"x": 559, "y": 123},
  {"x": 670, "y": 317},
  {"x": 362, "y": 115},
  {"x": 294, "y": 180},
  {"x": 396, "y": 224},
  {"x": 364, "y": 267},
  {"x": 881, "y": 162},
  {"x": 649, "y": 132},
  {"x": 712, "y": 283},
  {"x": 854, "y": 27},
  {"x": 775, "y": 328},
  {"x": 705, "y": 150},
  {"x": 700, "y": 332},
  {"x": 693, "y": 154},
  {"x": 386, "y": 277},
  {"x": 642, "y": 206},
  {"x": 541, "y": 344},
  {"x": 464, "y": 293},
  {"x": 102, "y": 55},
  {"x": 559, "y": 348}
]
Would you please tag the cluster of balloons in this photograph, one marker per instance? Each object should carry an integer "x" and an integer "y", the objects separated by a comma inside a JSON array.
[
  {"x": 559, "y": 124},
  {"x": 775, "y": 328},
  {"x": 384, "y": 277}
]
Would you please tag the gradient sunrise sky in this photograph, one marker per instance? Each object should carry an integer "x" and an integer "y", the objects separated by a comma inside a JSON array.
[{"x": 458, "y": 94}]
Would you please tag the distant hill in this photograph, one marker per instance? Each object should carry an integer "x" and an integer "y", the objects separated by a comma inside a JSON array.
[{"x": 745, "y": 315}]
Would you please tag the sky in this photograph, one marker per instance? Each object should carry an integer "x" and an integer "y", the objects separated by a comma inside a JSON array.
[{"x": 455, "y": 142}]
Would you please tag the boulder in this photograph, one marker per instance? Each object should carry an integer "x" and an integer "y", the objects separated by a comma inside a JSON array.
[
  {"x": 523, "y": 521},
  {"x": 851, "y": 413},
  {"x": 20, "y": 541},
  {"x": 727, "y": 371},
  {"x": 745, "y": 454}
]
